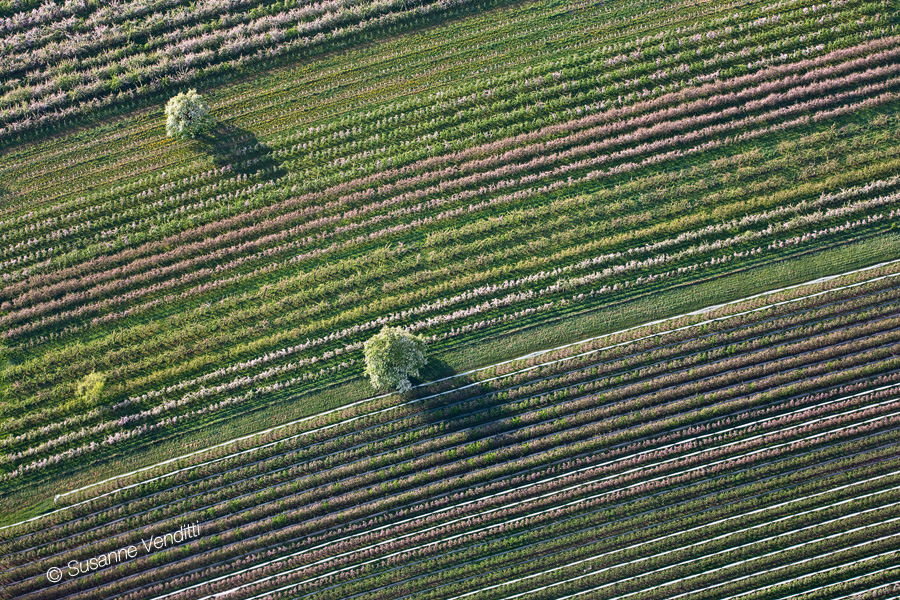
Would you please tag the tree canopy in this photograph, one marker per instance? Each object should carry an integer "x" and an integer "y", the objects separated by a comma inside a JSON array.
[
  {"x": 393, "y": 355},
  {"x": 187, "y": 115}
]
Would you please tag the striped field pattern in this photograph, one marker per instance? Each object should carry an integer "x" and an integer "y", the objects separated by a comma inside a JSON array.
[
  {"x": 748, "y": 451},
  {"x": 501, "y": 178},
  {"x": 584, "y": 165}
]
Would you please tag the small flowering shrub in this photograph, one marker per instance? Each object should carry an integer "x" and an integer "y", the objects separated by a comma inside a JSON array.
[
  {"x": 392, "y": 357},
  {"x": 187, "y": 115},
  {"x": 89, "y": 390}
]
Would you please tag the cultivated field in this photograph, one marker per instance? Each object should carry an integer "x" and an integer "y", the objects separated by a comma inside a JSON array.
[
  {"x": 749, "y": 451},
  {"x": 62, "y": 62},
  {"x": 583, "y": 159},
  {"x": 500, "y": 178}
]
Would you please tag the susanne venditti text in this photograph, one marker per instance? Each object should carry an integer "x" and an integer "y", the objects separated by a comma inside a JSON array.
[{"x": 74, "y": 568}]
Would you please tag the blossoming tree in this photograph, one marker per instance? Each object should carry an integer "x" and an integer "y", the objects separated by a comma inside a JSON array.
[
  {"x": 187, "y": 115},
  {"x": 392, "y": 357}
]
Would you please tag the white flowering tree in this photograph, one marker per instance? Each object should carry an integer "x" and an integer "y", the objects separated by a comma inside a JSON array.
[
  {"x": 187, "y": 115},
  {"x": 392, "y": 357}
]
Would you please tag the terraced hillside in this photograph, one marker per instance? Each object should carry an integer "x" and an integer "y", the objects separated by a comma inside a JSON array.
[
  {"x": 747, "y": 451},
  {"x": 524, "y": 165}
]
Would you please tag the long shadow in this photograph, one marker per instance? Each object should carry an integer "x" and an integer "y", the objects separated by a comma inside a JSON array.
[
  {"x": 435, "y": 369},
  {"x": 240, "y": 148},
  {"x": 459, "y": 409}
]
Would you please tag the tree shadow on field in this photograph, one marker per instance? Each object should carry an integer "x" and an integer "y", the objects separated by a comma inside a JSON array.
[
  {"x": 461, "y": 407},
  {"x": 435, "y": 369},
  {"x": 240, "y": 148}
]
